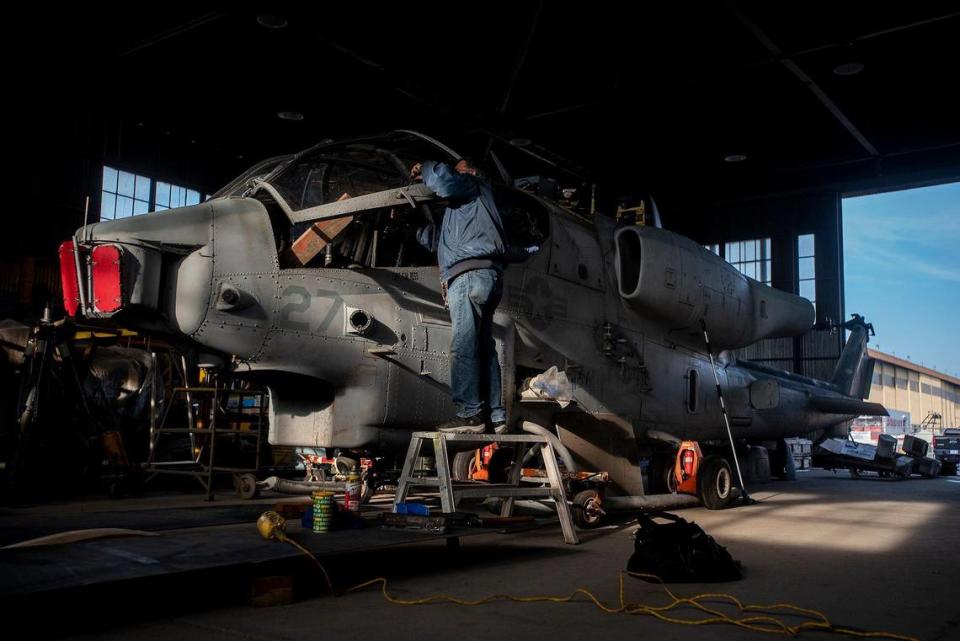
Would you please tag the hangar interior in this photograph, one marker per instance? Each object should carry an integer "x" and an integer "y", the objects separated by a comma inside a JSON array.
[{"x": 743, "y": 123}]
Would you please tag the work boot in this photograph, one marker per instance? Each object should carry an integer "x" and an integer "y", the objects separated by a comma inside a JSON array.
[{"x": 470, "y": 425}]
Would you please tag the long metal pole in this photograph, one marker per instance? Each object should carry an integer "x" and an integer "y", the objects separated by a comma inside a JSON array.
[{"x": 723, "y": 410}]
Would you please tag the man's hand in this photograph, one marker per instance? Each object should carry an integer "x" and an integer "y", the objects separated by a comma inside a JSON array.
[{"x": 416, "y": 170}]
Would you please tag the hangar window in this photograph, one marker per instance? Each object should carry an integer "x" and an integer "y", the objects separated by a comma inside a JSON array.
[
  {"x": 901, "y": 383},
  {"x": 123, "y": 194},
  {"x": 169, "y": 196},
  {"x": 914, "y": 386},
  {"x": 751, "y": 258},
  {"x": 806, "y": 269},
  {"x": 925, "y": 388},
  {"x": 877, "y": 379},
  {"x": 713, "y": 247}
]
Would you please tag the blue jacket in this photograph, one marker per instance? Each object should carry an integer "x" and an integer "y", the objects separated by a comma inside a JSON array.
[{"x": 472, "y": 228}]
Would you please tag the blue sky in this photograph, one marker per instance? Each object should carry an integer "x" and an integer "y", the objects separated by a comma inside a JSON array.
[{"x": 902, "y": 271}]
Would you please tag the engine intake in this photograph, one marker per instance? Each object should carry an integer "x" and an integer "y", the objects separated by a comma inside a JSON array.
[{"x": 676, "y": 280}]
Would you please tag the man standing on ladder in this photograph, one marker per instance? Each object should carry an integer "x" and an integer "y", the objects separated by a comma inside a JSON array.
[{"x": 471, "y": 251}]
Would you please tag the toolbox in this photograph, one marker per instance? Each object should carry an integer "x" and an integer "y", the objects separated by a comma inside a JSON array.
[{"x": 916, "y": 447}]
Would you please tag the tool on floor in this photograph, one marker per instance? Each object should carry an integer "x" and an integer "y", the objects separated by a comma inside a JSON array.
[{"x": 272, "y": 527}]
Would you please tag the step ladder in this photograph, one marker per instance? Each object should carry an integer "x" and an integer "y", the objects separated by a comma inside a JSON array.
[{"x": 452, "y": 491}]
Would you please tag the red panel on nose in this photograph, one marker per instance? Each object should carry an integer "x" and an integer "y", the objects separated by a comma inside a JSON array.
[
  {"x": 68, "y": 277},
  {"x": 106, "y": 276}
]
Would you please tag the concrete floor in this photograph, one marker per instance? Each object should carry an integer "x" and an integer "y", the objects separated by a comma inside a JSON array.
[{"x": 872, "y": 554}]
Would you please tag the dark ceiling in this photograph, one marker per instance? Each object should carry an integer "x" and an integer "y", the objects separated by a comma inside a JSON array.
[{"x": 644, "y": 97}]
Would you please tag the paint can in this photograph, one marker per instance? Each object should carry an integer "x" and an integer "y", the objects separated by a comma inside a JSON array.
[{"x": 351, "y": 494}]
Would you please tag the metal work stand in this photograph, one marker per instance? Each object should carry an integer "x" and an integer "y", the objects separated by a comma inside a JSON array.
[
  {"x": 452, "y": 491},
  {"x": 198, "y": 468}
]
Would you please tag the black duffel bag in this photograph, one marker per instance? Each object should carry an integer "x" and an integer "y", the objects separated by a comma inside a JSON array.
[{"x": 680, "y": 552}]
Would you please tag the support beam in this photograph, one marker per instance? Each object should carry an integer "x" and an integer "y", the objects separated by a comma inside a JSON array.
[
  {"x": 517, "y": 68},
  {"x": 802, "y": 76}
]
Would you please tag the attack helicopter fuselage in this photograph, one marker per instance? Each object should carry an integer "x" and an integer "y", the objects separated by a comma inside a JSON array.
[{"x": 353, "y": 342}]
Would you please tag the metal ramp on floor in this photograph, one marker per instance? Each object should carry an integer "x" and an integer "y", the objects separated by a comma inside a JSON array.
[{"x": 452, "y": 491}]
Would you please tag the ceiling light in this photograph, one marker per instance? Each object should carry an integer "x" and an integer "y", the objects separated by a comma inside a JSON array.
[
  {"x": 521, "y": 142},
  {"x": 848, "y": 69},
  {"x": 271, "y": 21},
  {"x": 735, "y": 157},
  {"x": 290, "y": 115}
]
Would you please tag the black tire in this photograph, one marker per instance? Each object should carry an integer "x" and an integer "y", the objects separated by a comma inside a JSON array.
[
  {"x": 660, "y": 476},
  {"x": 461, "y": 465},
  {"x": 498, "y": 469},
  {"x": 715, "y": 483},
  {"x": 586, "y": 510}
]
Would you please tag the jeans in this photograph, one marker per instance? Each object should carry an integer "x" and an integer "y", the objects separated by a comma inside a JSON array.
[{"x": 474, "y": 369}]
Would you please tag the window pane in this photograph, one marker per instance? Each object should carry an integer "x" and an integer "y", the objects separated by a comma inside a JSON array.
[
  {"x": 193, "y": 197},
  {"x": 805, "y": 245},
  {"x": 176, "y": 196},
  {"x": 163, "y": 195},
  {"x": 750, "y": 250},
  {"x": 109, "y": 179},
  {"x": 806, "y": 268},
  {"x": 733, "y": 252},
  {"x": 140, "y": 207},
  {"x": 108, "y": 203},
  {"x": 161, "y": 208},
  {"x": 124, "y": 207},
  {"x": 125, "y": 184},
  {"x": 765, "y": 248},
  {"x": 808, "y": 289},
  {"x": 142, "y": 188}
]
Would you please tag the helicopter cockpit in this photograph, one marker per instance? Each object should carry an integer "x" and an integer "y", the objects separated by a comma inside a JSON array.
[{"x": 352, "y": 204}]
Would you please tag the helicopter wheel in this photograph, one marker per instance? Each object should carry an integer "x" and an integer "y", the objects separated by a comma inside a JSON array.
[
  {"x": 715, "y": 483},
  {"x": 586, "y": 509}
]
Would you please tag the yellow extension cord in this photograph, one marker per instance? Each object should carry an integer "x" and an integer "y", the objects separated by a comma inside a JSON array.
[{"x": 761, "y": 622}]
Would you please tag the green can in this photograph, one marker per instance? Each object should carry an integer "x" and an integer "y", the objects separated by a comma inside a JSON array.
[{"x": 322, "y": 511}]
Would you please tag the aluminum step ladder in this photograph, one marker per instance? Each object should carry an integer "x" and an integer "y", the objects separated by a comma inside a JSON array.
[{"x": 452, "y": 491}]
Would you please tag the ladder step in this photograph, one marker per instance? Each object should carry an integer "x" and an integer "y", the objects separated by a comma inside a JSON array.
[{"x": 515, "y": 492}]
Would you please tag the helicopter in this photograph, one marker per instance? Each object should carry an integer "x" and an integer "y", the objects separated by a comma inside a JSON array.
[{"x": 304, "y": 275}]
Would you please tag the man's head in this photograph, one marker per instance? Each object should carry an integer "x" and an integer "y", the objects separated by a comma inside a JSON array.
[{"x": 465, "y": 166}]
